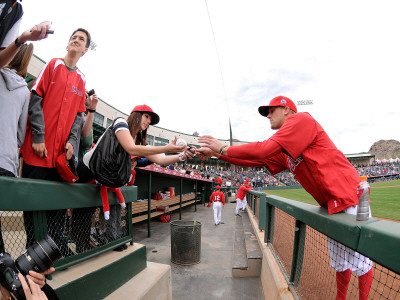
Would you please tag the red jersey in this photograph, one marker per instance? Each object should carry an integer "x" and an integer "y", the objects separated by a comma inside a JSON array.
[
  {"x": 218, "y": 180},
  {"x": 308, "y": 152},
  {"x": 217, "y": 197},
  {"x": 242, "y": 191},
  {"x": 63, "y": 94}
]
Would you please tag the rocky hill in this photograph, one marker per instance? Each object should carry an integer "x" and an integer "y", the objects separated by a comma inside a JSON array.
[{"x": 385, "y": 149}]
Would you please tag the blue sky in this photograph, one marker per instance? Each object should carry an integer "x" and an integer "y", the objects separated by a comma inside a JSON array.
[{"x": 343, "y": 55}]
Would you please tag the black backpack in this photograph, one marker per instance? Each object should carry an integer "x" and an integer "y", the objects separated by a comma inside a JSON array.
[
  {"x": 10, "y": 12},
  {"x": 110, "y": 163}
]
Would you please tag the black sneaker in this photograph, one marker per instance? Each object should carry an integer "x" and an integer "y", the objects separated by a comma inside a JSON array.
[
  {"x": 237, "y": 215},
  {"x": 221, "y": 223}
]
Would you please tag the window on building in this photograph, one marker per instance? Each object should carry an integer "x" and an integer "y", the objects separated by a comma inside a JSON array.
[
  {"x": 98, "y": 119},
  {"x": 150, "y": 140},
  {"x": 109, "y": 122},
  {"x": 161, "y": 142}
]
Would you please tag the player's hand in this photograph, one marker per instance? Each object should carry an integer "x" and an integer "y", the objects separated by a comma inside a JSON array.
[
  {"x": 211, "y": 142},
  {"x": 189, "y": 153},
  {"x": 204, "y": 153},
  {"x": 39, "y": 278},
  {"x": 33, "y": 291},
  {"x": 39, "y": 149},
  {"x": 69, "y": 150}
]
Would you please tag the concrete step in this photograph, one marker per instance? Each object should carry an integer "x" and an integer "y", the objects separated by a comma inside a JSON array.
[
  {"x": 99, "y": 276},
  {"x": 239, "y": 257},
  {"x": 251, "y": 254},
  {"x": 154, "y": 282}
]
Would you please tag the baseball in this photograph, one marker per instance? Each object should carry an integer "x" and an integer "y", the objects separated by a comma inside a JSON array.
[{"x": 181, "y": 142}]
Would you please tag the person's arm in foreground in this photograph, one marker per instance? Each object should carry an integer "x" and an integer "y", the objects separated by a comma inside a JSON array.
[
  {"x": 87, "y": 127},
  {"x": 170, "y": 159},
  {"x": 33, "y": 291},
  {"x": 250, "y": 151},
  {"x": 38, "y": 32},
  {"x": 125, "y": 139}
]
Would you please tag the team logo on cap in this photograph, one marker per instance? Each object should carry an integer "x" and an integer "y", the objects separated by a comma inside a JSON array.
[{"x": 283, "y": 101}]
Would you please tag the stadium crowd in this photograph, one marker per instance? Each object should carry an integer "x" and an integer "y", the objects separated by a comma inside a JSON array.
[{"x": 260, "y": 177}]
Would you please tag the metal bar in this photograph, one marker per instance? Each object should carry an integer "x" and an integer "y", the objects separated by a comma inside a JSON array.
[
  {"x": 149, "y": 208},
  {"x": 180, "y": 199},
  {"x": 195, "y": 197}
]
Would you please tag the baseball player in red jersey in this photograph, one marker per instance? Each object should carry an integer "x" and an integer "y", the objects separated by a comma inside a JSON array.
[
  {"x": 302, "y": 146},
  {"x": 218, "y": 200},
  {"x": 54, "y": 120},
  {"x": 241, "y": 197}
]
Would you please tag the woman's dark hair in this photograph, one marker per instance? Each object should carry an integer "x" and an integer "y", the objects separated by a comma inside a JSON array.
[
  {"x": 21, "y": 60},
  {"x": 133, "y": 121}
]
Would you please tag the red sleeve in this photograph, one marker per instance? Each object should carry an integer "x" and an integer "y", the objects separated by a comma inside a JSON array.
[
  {"x": 258, "y": 151},
  {"x": 242, "y": 162},
  {"x": 297, "y": 134},
  {"x": 223, "y": 198}
]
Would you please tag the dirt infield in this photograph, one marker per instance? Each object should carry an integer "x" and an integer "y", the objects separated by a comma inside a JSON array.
[{"x": 318, "y": 279}]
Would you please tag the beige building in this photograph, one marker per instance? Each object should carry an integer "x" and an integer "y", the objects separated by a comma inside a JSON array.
[{"x": 105, "y": 114}]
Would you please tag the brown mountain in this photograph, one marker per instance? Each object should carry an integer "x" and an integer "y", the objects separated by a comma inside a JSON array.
[{"x": 385, "y": 149}]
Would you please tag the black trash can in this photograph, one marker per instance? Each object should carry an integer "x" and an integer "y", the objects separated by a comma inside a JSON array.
[{"x": 185, "y": 242}]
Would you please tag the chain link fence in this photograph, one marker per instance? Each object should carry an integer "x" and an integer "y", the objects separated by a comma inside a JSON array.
[
  {"x": 75, "y": 231},
  {"x": 318, "y": 279}
]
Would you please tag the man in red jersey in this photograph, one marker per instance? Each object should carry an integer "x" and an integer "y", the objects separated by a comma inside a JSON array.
[
  {"x": 241, "y": 201},
  {"x": 54, "y": 119},
  {"x": 302, "y": 146},
  {"x": 218, "y": 200}
]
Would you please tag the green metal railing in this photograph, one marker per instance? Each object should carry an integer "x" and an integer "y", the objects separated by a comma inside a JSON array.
[
  {"x": 297, "y": 235},
  {"x": 20, "y": 195}
]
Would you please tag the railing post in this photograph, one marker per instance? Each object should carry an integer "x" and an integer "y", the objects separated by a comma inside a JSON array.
[
  {"x": 149, "y": 208},
  {"x": 267, "y": 222},
  {"x": 195, "y": 197},
  {"x": 298, "y": 252},
  {"x": 129, "y": 221},
  {"x": 255, "y": 205},
  {"x": 180, "y": 201},
  {"x": 261, "y": 214}
]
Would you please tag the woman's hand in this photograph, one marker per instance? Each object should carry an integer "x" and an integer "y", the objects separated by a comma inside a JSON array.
[
  {"x": 33, "y": 291},
  {"x": 173, "y": 148}
]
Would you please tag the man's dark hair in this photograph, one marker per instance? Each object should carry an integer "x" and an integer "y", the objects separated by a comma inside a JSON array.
[{"x": 87, "y": 35}]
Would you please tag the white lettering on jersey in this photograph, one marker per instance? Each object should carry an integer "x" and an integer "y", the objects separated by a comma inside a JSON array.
[{"x": 293, "y": 163}]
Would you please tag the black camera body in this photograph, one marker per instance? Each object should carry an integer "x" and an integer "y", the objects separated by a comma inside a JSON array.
[
  {"x": 38, "y": 257},
  {"x": 8, "y": 276}
]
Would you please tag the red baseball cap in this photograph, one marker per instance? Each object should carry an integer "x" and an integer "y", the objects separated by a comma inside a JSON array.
[
  {"x": 218, "y": 187},
  {"x": 147, "y": 109},
  {"x": 64, "y": 169},
  {"x": 277, "y": 101}
]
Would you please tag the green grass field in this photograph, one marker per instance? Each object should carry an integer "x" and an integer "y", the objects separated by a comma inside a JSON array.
[{"x": 385, "y": 200}]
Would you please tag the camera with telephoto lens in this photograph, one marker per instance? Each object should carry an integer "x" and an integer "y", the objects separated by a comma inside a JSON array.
[{"x": 38, "y": 257}]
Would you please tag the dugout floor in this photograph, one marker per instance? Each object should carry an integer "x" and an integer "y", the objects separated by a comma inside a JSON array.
[{"x": 212, "y": 277}]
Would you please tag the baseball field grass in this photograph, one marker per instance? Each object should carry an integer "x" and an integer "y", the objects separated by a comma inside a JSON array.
[{"x": 385, "y": 198}]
